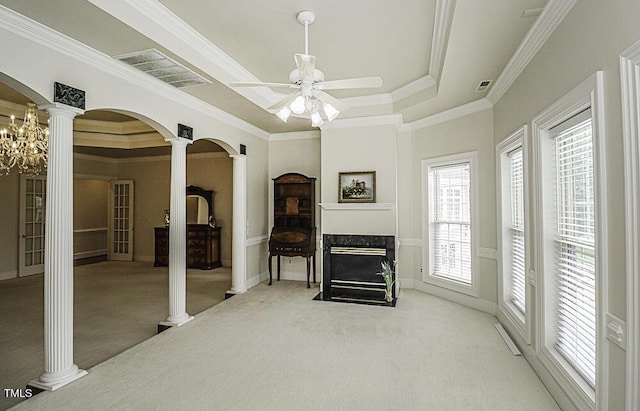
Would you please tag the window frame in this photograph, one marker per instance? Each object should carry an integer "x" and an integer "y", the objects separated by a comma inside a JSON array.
[
  {"x": 589, "y": 94},
  {"x": 630, "y": 87},
  {"x": 520, "y": 322},
  {"x": 427, "y": 261}
]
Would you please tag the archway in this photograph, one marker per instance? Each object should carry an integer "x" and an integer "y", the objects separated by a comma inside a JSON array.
[{"x": 21, "y": 361}]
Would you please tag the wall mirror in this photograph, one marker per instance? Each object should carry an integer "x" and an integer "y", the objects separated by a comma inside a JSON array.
[{"x": 199, "y": 205}]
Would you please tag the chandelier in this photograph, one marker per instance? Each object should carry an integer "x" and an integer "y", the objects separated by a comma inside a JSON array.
[{"x": 25, "y": 146}]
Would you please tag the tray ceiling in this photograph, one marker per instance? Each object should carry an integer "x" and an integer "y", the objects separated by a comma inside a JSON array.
[{"x": 257, "y": 40}]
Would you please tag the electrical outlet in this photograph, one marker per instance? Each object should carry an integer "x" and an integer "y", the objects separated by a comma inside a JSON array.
[{"x": 289, "y": 261}]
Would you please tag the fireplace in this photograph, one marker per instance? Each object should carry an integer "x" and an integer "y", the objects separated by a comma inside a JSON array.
[{"x": 350, "y": 266}]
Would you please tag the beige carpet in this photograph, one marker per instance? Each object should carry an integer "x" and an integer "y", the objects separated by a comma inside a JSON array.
[
  {"x": 117, "y": 305},
  {"x": 273, "y": 348}
]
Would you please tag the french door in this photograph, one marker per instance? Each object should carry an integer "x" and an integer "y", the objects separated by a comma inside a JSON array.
[
  {"x": 121, "y": 220},
  {"x": 31, "y": 216}
]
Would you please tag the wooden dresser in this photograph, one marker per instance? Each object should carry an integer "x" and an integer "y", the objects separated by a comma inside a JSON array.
[{"x": 203, "y": 246}]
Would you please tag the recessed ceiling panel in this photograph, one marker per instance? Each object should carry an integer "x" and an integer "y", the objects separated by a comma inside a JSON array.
[{"x": 355, "y": 38}]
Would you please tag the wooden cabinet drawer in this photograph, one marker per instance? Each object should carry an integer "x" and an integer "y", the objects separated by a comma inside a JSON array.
[{"x": 203, "y": 246}]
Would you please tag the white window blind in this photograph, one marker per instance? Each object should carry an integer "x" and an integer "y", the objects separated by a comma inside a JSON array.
[
  {"x": 451, "y": 222},
  {"x": 575, "y": 249},
  {"x": 517, "y": 229}
]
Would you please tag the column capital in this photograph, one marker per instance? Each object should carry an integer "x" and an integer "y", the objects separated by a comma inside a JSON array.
[
  {"x": 178, "y": 141},
  {"x": 238, "y": 156},
  {"x": 59, "y": 109}
]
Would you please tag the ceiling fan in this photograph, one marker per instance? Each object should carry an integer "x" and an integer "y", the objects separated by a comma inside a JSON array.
[{"x": 310, "y": 100}]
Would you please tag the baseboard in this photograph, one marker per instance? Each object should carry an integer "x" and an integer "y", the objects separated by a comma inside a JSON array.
[
  {"x": 257, "y": 279},
  {"x": 529, "y": 354},
  {"x": 406, "y": 283},
  {"x": 7, "y": 275},
  {"x": 253, "y": 281},
  {"x": 90, "y": 260},
  {"x": 89, "y": 254},
  {"x": 466, "y": 300},
  {"x": 144, "y": 258}
]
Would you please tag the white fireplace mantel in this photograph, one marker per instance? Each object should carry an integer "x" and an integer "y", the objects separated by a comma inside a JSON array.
[{"x": 357, "y": 206}]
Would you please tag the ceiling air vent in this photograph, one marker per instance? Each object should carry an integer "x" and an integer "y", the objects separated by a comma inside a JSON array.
[
  {"x": 163, "y": 68},
  {"x": 483, "y": 86}
]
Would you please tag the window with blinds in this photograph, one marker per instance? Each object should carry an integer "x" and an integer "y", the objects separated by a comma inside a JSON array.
[
  {"x": 517, "y": 264},
  {"x": 575, "y": 262},
  {"x": 451, "y": 222}
]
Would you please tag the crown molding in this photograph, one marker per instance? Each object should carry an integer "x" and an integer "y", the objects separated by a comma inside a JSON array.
[
  {"x": 388, "y": 119},
  {"x": 415, "y": 87},
  {"x": 295, "y": 135},
  {"x": 452, "y": 114},
  {"x": 8, "y": 108},
  {"x": 31, "y": 30},
  {"x": 112, "y": 127},
  {"x": 146, "y": 159},
  {"x": 195, "y": 156},
  {"x": 89, "y": 157},
  {"x": 154, "y": 139},
  {"x": 366, "y": 101},
  {"x": 154, "y": 20},
  {"x": 441, "y": 29},
  {"x": 554, "y": 12},
  {"x": 157, "y": 22},
  {"x": 404, "y": 129}
]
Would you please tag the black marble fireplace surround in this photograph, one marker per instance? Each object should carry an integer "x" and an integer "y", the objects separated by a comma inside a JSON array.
[{"x": 350, "y": 266}]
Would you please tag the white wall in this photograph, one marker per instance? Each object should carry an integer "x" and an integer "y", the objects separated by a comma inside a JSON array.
[
  {"x": 295, "y": 153},
  {"x": 90, "y": 212},
  {"x": 112, "y": 86},
  {"x": 152, "y": 178},
  {"x": 359, "y": 146},
  {"x": 10, "y": 197},
  {"x": 470, "y": 133},
  {"x": 590, "y": 38}
]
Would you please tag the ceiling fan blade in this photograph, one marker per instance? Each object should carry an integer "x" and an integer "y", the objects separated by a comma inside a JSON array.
[
  {"x": 363, "y": 82},
  {"x": 273, "y": 85},
  {"x": 288, "y": 99},
  {"x": 328, "y": 98},
  {"x": 306, "y": 64}
]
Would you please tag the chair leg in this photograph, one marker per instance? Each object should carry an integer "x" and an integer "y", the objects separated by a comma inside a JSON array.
[
  {"x": 308, "y": 285},
  {"x": 278, "y": 268},
  {"x": 270, "y": 275},
  {"x": 314, "y": 267}
]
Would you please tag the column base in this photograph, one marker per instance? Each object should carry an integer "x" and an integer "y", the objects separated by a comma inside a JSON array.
[
  {"x": 52, "y": 386},
  {"x": 231, "y": 293},
  {"x": 165, "y": 325}
]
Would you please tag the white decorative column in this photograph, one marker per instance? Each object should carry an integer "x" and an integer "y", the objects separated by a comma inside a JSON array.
[
  {"x": 59, "y": 368},
  {"x": 239, "y": 232},
  {"x": 178, "y": 237}
]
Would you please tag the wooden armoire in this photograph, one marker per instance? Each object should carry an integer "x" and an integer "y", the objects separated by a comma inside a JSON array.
[{"x": 294, "y": 222}]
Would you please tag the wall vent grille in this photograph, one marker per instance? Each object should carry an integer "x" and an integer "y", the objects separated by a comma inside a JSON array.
[{"x": 160, "y": 66}]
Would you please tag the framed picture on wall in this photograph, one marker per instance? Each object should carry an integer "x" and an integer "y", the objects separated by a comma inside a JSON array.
[{"x": 357, "y": 187}]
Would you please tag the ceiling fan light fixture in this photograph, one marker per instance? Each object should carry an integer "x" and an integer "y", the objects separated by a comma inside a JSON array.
[
  {"x": 316, "y": 120},
  {"x": 284, "y": 113},
  {"x": 298, "y": 105},
  {"x": 330, "y": 111}
]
